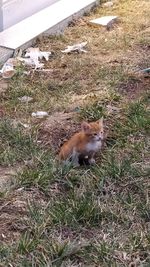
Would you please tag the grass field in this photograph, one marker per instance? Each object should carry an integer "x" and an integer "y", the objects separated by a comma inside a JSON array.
[{"x": 99, "y": 216}]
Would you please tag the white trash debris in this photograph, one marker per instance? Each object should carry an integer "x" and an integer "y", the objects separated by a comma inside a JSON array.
[
  {"x": 104, "y": 21},
  {"x": 30, "y": 62},
  {"x": 147, "y": 70},
  {"x": 27, "y": 72},
  {"x": 3, "y": 236},
  {"x": 75, "y": 48},
  {"x": 32, "y": 57},
  {"x": 7, "y": 70},
  {"x": 34, "y": 54},
  {"x": 25, "y": 125},
  {"x": 13, "y": 61},
  {"x": 20, "y": 189},
  {"x": 39, "y": 114},
  {"x": 108, "y": 4},
  {"x": 45, "y": 70},
  {"x": 25, "y": 99}
]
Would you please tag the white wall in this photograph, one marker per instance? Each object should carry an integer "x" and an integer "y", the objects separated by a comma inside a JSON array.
[{"x": 16, "y": 10}]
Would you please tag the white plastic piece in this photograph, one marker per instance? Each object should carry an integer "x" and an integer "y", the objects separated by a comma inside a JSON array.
[
  {"x": 35, "y": 53},
  {"x": 25, "y": 99},
  {"x": 32, "y": 57},
  {"x": 76, "y": 47},
  {"x": 39, "y": 114},
  {"x": 31, "y": 63}
]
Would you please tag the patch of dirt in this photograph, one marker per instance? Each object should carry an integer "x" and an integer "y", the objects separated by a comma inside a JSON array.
[
  {"x": 14, "y": 213},
  {"x": 134, "y": 87},
  {"x": 57, "y": 129},
  {"x": 82, "y": 100},
  {"x": 145, "y": 47},
  {"x": 3, "y": 86},
  {"x": 6, "y": 177}
]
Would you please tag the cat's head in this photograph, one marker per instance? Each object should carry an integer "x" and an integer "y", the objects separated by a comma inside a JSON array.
[{"x": 95, "y": 130}]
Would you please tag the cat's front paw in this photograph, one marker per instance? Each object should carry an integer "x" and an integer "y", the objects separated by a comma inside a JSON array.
[
  {"x": 92, "y": 161},
  {"x": 76, "y": 164}
]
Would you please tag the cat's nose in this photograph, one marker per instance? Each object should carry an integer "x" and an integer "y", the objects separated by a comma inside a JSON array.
[{"x": 100, "y": 137}]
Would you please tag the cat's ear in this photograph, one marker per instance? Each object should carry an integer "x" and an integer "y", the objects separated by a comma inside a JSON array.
[
  {"x": 85, "y": 126},
  {"x": 101, "y": 121}
]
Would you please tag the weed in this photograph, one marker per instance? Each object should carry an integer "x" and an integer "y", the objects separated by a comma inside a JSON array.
[
  {"x": 133, "y": 124},
  {"x": 76, "y": 211},
  {"x": 40, "y": 173},
  {"x": 26, "y": 244},
  {"x": 93, "y": 112}
]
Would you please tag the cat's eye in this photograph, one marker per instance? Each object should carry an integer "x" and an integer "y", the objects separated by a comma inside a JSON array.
[{"x": 95, "y": 134}]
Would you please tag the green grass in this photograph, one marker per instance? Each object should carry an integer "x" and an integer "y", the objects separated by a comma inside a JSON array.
[
  {"x": 16, "y": 145},
  {"x": 135, "y": 121},
  {"x": 40, "y": 172},
  {"x": 98, "y": 199}
]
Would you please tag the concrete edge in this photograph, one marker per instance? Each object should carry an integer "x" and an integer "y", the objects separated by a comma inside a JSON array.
[{"x": 6, "y": 53}]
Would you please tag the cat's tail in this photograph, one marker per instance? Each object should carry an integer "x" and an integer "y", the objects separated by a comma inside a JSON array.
[{"x": 65, "y": 153}]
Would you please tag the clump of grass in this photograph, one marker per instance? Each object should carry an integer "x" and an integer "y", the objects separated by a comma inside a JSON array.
[
  {"x": 92, "y": 112},
  {"x": 138, "y": 116},
  {"x": 15, "y": 145},
  {"x": 40, "y": 172},
  {"x": 133, "y": 122},
  {"x": 50, "y": 251},
  {"x": 144, "y": 210},
  {"x": 116, "y": 74},
  {"x": 118, "y": 169},
  {"x": 76, "y": 211}
]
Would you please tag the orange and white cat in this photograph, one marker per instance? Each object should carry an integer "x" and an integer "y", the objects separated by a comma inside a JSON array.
[{"x": 84, "y": 143}]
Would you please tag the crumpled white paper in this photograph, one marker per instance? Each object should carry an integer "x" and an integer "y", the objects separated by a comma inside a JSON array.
[{"x": 32, "y": 57}]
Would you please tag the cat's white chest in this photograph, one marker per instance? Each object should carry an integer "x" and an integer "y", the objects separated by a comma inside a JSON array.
[{"x": 93, "y": 146}]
